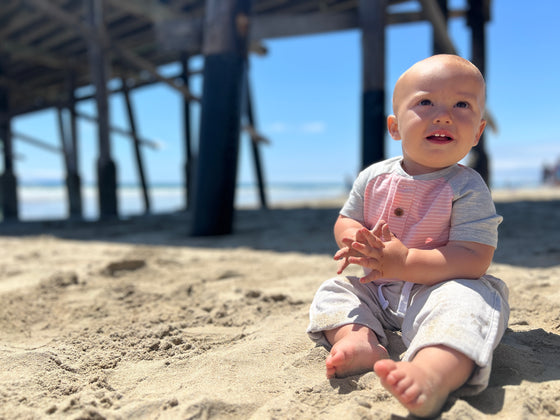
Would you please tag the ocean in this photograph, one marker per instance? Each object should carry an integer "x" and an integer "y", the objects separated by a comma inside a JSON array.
[{"x": 49, "y": 202}]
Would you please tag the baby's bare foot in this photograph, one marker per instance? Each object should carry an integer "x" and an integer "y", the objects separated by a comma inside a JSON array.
[
  {"x": 419, "y": 391},
  {"x": 353, "y": 354}
]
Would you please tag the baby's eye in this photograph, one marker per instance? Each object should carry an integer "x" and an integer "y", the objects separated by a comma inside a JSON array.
[
  {"x": 462, "y": 104},
  {"x": 425, "y": 102}
]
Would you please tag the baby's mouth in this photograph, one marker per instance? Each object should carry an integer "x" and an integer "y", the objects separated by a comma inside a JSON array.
[{"x": 439, "y": 138}]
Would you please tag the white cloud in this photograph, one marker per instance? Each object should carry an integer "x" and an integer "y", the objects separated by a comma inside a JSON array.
[
  {"x": 499, "y": 163},
  {"x": 525, "y": 155},
  {"x": 310, "y": 127},
  {"x": 313, "y": 127},
  {"x": 277, "y": 127}
]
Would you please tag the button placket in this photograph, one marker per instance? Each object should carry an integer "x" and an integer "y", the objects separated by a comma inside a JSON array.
[{"x": 402, "y": 203}]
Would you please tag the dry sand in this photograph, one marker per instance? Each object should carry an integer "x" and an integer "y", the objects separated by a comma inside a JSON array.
[{"x": 136, "y": 320}]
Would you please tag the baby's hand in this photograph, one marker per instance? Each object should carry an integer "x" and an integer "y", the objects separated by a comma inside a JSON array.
[
  {"x": 370, "y": 247},
  {"x": 383, "y": 262},
  {"x": 363, "y": 236}
]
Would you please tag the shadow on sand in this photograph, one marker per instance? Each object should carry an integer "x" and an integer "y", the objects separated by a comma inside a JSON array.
[{"x": 524, "y": 240}]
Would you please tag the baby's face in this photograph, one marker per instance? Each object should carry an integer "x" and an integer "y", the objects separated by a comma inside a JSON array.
[{"x": 438, "y": 107}]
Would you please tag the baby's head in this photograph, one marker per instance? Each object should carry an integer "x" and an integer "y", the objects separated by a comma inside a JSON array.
[{"x": 438, "y": 105}]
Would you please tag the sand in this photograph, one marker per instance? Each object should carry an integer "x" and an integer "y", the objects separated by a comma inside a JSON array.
[{"x": 135, "y": 320}]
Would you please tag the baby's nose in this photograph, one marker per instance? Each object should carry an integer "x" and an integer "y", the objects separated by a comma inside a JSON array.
[{"x": 442, "y": 117}]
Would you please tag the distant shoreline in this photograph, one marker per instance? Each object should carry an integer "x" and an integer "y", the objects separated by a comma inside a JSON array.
[
  {"x": 48, "y": 201},
  {"x": 538, "y": 193}
]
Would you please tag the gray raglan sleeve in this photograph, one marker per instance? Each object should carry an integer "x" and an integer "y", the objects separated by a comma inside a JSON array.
[
  {"x": 354, "y": 205},
  {"x": 474, "y": 216}
]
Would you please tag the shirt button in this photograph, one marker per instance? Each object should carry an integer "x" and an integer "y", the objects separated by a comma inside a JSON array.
[{"x": 399, "y": 212}]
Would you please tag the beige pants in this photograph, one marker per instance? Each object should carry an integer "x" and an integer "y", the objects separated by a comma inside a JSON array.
[{"x": 470, "y": 316}]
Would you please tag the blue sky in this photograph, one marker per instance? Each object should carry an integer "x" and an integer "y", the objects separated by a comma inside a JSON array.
[{"x": 306, "y": 94}]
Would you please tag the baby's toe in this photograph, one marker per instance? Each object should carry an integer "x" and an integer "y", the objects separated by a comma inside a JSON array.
[
  {"x": 404, "y": 386},
  {"x": 395, "y": 377},
  {"x": 412, "y": 395}
]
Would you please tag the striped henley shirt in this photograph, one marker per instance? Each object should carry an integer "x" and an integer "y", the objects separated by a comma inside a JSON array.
[{"x": 425, "y": 211}]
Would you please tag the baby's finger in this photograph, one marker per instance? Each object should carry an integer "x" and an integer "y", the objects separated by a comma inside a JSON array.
[
  {"x": 347, "y": 241},
  {"x": 342, "y": 264},
  {"x": 366, "y": 250},
  {"x": 362, "y": 237},
  {"x": 375, "y": 241},
  {"x": 372, "y": 276},
  {"x": 366, "y": 262},
  {"x": 377, "y": 228},
  {"x": 342, "y": 252},
  {"x": 367, "y": 237},
  {"x": 386, "y": 232}
]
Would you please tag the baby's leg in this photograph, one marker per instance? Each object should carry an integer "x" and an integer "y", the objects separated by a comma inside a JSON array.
[
  {"x": 355, "y": 348},
  {"x": 423, "y": 384}
]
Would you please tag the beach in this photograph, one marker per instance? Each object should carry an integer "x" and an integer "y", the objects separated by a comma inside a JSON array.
[{"x": 138, "y": 320}]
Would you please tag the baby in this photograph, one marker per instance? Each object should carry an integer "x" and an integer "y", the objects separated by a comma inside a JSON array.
[{"x": 424, "y": 228}]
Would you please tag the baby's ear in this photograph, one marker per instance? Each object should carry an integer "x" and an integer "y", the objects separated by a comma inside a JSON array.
[
  {"x": 393, "y": 127},
  {"x": 480, "y": 131}
]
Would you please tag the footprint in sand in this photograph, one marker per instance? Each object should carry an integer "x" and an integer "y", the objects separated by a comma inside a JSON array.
[{"x": 115, "y": 268}]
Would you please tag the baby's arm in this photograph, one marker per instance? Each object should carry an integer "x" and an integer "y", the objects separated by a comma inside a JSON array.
[
  {"x": 345, "y": 230},
  {"x": 456, "y": 259}
]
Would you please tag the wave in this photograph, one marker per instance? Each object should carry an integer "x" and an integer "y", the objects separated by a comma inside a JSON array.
[{"x": 48, "y": 201}]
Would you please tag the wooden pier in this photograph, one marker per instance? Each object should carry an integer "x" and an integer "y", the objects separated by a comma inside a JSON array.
[{"x": 51, "y": 48}]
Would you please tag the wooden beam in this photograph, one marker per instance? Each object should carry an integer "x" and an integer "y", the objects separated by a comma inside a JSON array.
[
  {"x": 72, "y": 120},
  {"x": 17, "y": 20},
  {"x": 8, "y": 180},
  {"x": 86, "y": 32},
  {"x": 183, "y": 34},
  {"x": 151, "y": 10},
  {"x": 66, "y": 145},
  {"x": 477, "y": 21},
  {"x": 64, "y": 35},
  {"x": 284, "y": 25},
  {"x": 434, "y": 14},
  {"x": 72, "y": 186},
  {"x": 73, "y": 40},
  {"x": 255, "y": 146},
  {"x": 225, "y": 65},
  {"x": 106, "y": 168},
  {"x": 144, "y": 142},
  {"x": 372, "y": 23},
  {"x": 304, "y": 7},
  {"x": 189, "y": 164},
  {"x": 36, "y": 142},
  {"x": 143, "y": 64},
  {"x": 412, "y": 17},
  {"x": 9, "y": 7},
  {"x": 34, "y": 55},
  {"x": 70, "y": 133},
  {"x": 56, "y": 12},
  {"x": 136, "y": 146},
  {"x": 264, "y": 5},
  {"x": 7, "y": 82},
  {"x": 281, "y": 25},
  {"x": 53, "y": 100},
  {"x": 437, "y": 48}
]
